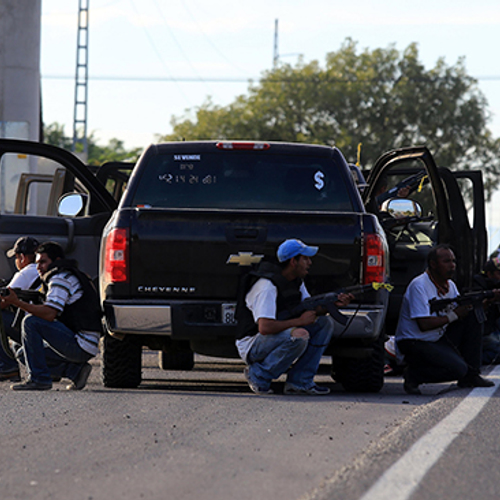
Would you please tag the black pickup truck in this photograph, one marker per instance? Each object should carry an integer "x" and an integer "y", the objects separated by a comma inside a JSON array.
[{"x": 195, "y": 216}]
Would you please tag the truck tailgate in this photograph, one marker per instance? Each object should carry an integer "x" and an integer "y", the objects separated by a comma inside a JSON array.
[{"x": 181, "y": 254}]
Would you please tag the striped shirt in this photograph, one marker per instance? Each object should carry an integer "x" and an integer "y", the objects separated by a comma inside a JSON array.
[{"x": 65, "y": 289}]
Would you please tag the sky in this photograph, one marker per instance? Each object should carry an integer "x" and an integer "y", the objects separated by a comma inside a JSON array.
[{"x": 150, "y": 60}]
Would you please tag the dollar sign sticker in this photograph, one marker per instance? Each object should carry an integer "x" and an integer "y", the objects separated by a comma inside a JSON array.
[{"x": 318, "y": 177}]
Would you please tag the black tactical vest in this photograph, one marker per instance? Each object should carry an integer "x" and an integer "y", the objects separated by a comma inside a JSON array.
[
  {"x": 289, "y": 296},
  {"x": 84, "y": 314}
]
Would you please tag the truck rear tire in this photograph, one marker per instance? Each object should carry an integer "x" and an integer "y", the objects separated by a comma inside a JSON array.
[
  {"x": 361, "y": 374},
  {"x": 121, "y": 362}
]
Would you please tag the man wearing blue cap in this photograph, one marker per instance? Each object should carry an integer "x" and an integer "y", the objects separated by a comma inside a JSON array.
[{"x": 271, "y": 346}]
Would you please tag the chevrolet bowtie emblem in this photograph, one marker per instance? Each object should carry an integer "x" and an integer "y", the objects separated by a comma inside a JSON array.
[{"x": 244, "y": 259}]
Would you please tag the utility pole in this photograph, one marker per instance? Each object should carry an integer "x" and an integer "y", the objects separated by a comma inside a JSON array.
[
  {"x": 275, "y": 56},
  {"x": 81, "y": 79}
]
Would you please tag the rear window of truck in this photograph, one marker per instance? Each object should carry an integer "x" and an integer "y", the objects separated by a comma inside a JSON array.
[{"x": 242, "y": 180}]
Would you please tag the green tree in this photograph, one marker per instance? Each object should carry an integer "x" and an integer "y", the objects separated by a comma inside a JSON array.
[
  {"x": 54, "y": 134},
  {"x": 114, "y": 151},
  {"x": 97, "y": 154},
  {"x": 382, "y": 98}
]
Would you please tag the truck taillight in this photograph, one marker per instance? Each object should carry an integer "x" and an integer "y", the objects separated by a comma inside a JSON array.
[
  {"x": 116, "y": 256},
  {"x": 374, "y": 259}
]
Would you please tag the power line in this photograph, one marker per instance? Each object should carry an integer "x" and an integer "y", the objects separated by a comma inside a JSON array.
[
  {"x": 200, "y": 30},
  {"x": 221, "y": 79},
  {"x": 159, "y": 55},
  {"x": 154, "y": 78}
]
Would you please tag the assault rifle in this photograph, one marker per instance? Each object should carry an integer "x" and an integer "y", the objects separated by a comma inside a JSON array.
[
  {"x": 413, "y": 182},
  {"x": 27, "y": 295},
  {"x": 327, "y": 300},
  {"x": 474, "y": 299}
]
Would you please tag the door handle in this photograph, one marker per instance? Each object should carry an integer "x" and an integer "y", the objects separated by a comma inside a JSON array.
[{"x": 70, "y": 245}]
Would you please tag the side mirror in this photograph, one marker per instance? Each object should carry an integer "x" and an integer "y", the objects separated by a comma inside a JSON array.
[
  {"x": 401, "y": 208},
  {"x": 71, "y": 204}
]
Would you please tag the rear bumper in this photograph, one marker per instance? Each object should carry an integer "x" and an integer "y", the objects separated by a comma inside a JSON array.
[
  {"x": 138, "y": 319},
  {"x": 177, "y": 320},
  {"x": 363, "y": 323},
  {"x": 180, "y": 320}
]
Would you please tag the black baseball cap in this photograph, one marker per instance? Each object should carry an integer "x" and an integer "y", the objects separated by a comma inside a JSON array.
[{"x": 25, "y": 245}]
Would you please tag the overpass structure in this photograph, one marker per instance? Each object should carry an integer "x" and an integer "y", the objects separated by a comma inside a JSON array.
[{"x": 20, "y": 94}]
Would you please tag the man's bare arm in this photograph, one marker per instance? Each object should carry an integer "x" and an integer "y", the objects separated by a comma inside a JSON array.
[
  {"x": 40, "y": 310},
  {"x": 432, "y": 322}
]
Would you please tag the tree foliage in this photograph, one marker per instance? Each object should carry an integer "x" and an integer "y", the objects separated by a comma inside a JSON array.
[
  {"x": 54, "y": 134},
  {"x": 114, "y": 151},
  {"x": 97, "y": 155},
  {"x": 382, "y": 98}
]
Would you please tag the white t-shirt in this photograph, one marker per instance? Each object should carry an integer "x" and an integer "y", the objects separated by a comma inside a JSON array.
[
  {"x": 416, "y": 305},
  {"x": 261, "y": 300},
  {"x": 24, "y": 278}
]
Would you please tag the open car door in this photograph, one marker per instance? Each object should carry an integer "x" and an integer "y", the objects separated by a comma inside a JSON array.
[
  {"x": 420, "y": 205},
  {"x": 33, "y": 178},
  {"x": 471, "y": 187}
]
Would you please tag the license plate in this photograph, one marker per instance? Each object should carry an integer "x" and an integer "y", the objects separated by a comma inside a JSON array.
[{"x": 227, "y": 314}]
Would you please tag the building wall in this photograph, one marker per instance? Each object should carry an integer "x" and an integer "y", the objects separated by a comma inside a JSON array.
[{"x": 20, "y": 22}]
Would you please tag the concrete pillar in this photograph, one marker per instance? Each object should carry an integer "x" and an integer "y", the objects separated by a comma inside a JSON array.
[{"x": 20, "y": 22}]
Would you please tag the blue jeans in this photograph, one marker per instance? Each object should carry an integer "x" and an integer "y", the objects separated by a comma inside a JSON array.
[
  {"x": 7, "y": 364},
  {"x": 272, "y": 355},
  {"x": 50, "y": 349}
]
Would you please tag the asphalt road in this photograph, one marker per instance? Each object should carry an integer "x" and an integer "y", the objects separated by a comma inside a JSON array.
[{"x": 204, "y": 435}]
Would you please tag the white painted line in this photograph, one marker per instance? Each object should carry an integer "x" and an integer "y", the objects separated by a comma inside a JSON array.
[{"x": 405, "y": 475}]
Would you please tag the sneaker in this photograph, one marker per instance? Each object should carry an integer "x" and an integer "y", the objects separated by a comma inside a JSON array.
[
  {"x": 314, "y": 390},
  {"x": 388, "y": 370},
  {"x": 255, "y": 388},
  {"x": 475, "y": 381},
  {"x": 81, "y": 380},
  {"x": 12, "y": 376},
  {"x": 31, "y": 386}
]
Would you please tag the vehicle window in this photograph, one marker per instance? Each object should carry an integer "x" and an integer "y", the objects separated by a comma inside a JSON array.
[
  {"x": 236, "y": 180},
  {"x": 116, "y": 185},
  {"x": 114, "y": 176},
  {"x": 32, "y": 185},
  {"x": 408, "y": 180}
]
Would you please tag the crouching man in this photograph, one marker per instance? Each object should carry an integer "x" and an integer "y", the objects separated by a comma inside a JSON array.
[
  {"x": 26, "y": 278},
  {"x": 61, "y": 335},
  {"x": 438, "y": 348},
  {"x": 271, "y": 346}
]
